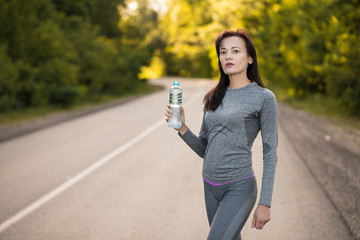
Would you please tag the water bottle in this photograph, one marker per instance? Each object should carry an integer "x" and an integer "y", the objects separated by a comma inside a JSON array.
[{"x": 175, "y": 100}]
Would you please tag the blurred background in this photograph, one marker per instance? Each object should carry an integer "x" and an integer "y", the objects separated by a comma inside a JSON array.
[
  {"x": 67, "y": 55},
  {"x": 64, "y": 53}
]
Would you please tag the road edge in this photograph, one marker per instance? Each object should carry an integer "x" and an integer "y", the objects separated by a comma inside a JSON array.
[
  {"x": 26, "y": 127},
  {"x": 324, "y": 172}
]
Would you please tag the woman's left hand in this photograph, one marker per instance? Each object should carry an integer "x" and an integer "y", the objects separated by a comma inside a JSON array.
[{"x": 261, "y": 216}]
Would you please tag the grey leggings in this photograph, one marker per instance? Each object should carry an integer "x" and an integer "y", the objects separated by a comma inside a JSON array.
[{"x": 228, "y": 207}]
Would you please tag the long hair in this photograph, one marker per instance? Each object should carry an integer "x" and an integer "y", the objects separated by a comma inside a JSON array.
[{"x": 215, "y": 96}]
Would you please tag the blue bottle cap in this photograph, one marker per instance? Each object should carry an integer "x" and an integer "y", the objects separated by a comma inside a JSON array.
[{"x": 176, "y": 84}]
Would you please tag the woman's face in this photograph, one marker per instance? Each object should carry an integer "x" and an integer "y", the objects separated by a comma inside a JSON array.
[{"x": 233, "y": 56}]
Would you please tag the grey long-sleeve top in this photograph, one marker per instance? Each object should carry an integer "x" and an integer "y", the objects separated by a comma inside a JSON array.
[{"x": 228, "y": 133}]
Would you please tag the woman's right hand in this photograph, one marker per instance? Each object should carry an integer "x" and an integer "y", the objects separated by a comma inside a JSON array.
[{"x": 168, "y": 114}]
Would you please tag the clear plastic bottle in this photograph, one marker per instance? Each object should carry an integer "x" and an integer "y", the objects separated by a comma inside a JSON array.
[{"x": 175, "y": 101}]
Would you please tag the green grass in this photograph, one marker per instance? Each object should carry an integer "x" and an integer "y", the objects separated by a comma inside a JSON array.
[
  {"x": 29, "y": 114},
  {"x": 321, "y": 105}
]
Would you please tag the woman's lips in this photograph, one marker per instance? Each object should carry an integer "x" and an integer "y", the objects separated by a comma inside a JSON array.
[{"x": 229, "y": 64}]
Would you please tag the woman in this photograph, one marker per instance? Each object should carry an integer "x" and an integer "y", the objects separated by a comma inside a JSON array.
[{"x": 234, "y": 112}]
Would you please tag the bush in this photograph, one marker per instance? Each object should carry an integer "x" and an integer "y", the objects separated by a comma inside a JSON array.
[
  {"x": 9, "y": 74},
  {"x": 66, "y": 96}
]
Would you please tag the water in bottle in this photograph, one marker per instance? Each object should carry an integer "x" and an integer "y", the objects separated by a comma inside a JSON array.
[{"x": 175, "y": 100}]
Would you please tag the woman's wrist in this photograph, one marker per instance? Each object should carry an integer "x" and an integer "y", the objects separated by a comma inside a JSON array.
[
  {"x": 263, "y": 205},
  {"x": 183, "y": 129}
]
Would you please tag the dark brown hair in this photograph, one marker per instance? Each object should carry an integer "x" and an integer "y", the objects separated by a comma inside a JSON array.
[{"x": 214, "y": 97}]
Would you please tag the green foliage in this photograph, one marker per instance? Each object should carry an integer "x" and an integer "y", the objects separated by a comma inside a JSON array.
[
  {"x": 310, "y": 47},
  {"x": 8, "y": 76},
  {"x": 66, "y": 96},
  {"x": 342, "y": 63},
  {"x": 106, "y": 16},
  {"x": 102, "y": 13},
  {"x": 60, "y": 52},
  {"x": 186, "y": 28},
  {"x": 82, "y": 8},
  {"x": 303, "y": 47}
]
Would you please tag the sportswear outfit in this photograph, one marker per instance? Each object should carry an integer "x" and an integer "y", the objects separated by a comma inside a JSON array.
[{"x": 225, "y": 141}]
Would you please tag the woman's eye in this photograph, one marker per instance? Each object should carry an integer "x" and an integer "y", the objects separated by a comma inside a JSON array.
[
  {"x": 222, "y": 52},
  {"x": 236, "y": 51}
]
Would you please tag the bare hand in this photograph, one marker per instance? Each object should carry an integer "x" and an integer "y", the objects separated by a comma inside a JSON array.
[
  {"x": 261, "y": 216},
  {"x": 168, "y": 114}
]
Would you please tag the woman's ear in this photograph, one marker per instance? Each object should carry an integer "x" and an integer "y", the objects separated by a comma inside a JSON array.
[{"x": 251, "y": 60}]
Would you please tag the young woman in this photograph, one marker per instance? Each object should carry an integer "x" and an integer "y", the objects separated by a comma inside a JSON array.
[{"x": 234, "y": 112}]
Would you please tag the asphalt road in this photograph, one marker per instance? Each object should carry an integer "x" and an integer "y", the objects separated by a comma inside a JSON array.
[{"x": 122, "y": 174}]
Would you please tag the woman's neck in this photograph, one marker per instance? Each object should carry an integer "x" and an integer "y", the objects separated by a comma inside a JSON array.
[{"x": 237, "y": 81}]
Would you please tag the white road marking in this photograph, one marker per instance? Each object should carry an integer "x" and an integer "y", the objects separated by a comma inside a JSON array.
[{"x": 87, "y": 171}]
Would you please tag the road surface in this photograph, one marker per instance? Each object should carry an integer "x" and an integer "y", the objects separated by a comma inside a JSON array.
[{"x": 122, "y": 174}]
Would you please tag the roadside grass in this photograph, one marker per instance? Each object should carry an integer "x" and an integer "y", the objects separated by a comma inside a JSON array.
[
  {"x": 320, "y": 105},
  {"x": 33, "y": 113}
]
